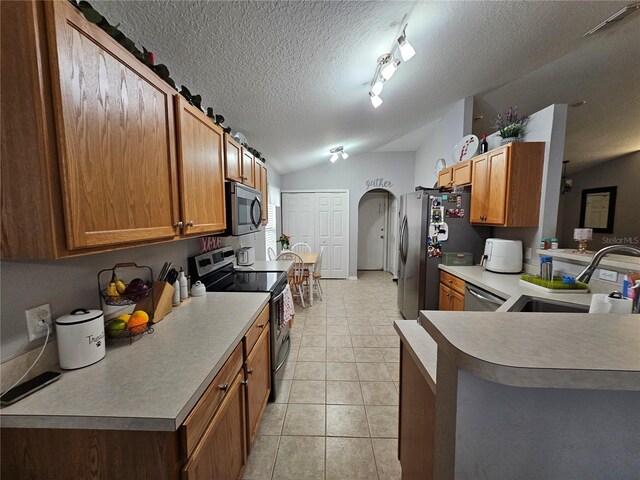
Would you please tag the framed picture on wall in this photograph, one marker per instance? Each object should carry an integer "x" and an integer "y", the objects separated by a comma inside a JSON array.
[{"x": 598, "y": 208}]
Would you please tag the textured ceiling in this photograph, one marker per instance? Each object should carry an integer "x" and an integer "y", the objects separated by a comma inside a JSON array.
[{"x": 293, "y": 75}]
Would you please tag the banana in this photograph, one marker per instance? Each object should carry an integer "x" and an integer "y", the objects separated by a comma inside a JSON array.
[
  {"x": 112, "y": 290},
  {"x": 120, "y": 286}
]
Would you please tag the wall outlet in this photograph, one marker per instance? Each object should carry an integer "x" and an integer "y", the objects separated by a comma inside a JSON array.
[
  {"x": 34, "y": 321},
  {"x": 608, "y": 275}
]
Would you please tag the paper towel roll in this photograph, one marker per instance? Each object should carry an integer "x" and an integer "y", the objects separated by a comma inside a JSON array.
[{"x": 603, "y": 303}]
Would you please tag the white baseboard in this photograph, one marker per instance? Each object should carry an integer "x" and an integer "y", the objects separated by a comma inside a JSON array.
[{"x": 352, "y": 278}]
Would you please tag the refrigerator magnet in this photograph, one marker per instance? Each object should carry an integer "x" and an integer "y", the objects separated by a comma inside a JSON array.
[{"x": 454, "y": 213}]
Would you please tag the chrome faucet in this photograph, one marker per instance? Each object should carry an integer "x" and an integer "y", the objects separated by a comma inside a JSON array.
[{"x": 585, "y": 275}]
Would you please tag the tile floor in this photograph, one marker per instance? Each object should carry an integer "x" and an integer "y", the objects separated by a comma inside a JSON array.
[{"x": 336, "y": 415}]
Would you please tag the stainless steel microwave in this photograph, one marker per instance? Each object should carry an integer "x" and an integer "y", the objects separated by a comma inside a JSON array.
[{"x": 244, "y": 209}]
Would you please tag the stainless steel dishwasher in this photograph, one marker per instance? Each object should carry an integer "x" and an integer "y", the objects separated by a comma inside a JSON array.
[{"x": 478, "y": 300}]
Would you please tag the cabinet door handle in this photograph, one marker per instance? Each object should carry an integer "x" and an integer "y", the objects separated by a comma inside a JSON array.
[
  {"x": 190, "y": 223},
  {"x": 179, "y": 225},
  {"x": 223, "y": 387},
  {"x": 250, "y": 371},
  {"x": 245, "y": 382},
  {"x": 260, "y": 325},
  {"x": 450, "y": 281}
]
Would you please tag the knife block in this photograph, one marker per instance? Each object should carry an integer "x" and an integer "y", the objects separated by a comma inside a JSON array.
[{"x": 158, "y": 304}]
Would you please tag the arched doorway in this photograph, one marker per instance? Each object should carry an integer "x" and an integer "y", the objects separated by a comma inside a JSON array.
[{"x": 377, "y": 231}]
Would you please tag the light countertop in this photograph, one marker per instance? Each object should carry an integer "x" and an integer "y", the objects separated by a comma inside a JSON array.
[
  {"x": 152, "y": 384},
  {"x": 550, "y": 350},
  {"x": 508, "y": 286}
]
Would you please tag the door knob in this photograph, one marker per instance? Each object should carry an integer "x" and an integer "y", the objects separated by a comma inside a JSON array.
[
  {"x": 178, "y": 225},
  {"x": 190, "y": 223}
]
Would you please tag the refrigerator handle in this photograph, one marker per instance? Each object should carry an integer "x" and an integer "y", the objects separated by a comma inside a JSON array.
[{"x": 403, "y": 227}]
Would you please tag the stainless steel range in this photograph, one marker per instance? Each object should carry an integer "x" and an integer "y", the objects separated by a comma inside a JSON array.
[{"x": 216, "y": 270}]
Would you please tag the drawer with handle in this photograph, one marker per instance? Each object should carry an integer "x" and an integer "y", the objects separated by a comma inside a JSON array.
[
  {"x": 252, "y": 335},
  {"x": 452, "y": 282},
  {"x": 196, "y": 422}
]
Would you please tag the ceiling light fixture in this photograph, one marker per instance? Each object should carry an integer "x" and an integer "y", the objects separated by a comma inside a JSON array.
[
  {"x": 390, "y": 68},
  {"x": 616, "y": 17},
  {"x": 376, "y": 101},
  {"x": 406, "y": 50},
  {"x": 376, "y": 88},
  {"x": 336, "y": 152},
  {"x": 388, "y": 63}
]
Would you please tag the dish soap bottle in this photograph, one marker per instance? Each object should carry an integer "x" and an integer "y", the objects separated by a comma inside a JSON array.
[{"x": 184, "y": 289}]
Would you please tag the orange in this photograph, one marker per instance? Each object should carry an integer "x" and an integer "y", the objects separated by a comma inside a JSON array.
[{"x": 138, "y": 321}]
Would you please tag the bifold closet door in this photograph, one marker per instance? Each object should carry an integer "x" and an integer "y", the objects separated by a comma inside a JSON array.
[{"x": 321, "y": 220}]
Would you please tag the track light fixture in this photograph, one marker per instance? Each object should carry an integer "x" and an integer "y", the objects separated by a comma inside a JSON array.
[
  {"x": 388, "y": 63},
  {"x": 338, "y": 152},
  {"x": 406, "y": 50},
  {"x": 376, "y": 101}
]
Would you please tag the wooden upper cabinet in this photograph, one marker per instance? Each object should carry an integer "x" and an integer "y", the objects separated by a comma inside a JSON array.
[
  {"x": 462, "y": 173},
  {"x": 248, "y": 168},
  {"x": 262, "y": 184},
  {"x": 506, "y": 185},
  {"x": 233, "y": 159},
  {"x": 265, "y": 195},
  {"x": 445, "y": 177},
  {"x": 115, "y": 131},
  {"x": 200, "y": 158},
  {"x": 480, "y": 184}
]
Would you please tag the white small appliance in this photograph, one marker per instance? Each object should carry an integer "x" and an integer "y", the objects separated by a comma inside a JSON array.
[
  {"x": 80, "y": 336},
  {"x": 245, "y": 256},
  {"x": 503, "y": 256}
]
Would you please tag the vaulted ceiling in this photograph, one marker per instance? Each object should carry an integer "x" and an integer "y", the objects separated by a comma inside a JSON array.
[{"x": 293, "y": 76}]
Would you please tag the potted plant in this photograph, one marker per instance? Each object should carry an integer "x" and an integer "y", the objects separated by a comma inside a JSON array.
[
  {"x": 510, "y": 125},
  {"x": 284, "y": 241}
]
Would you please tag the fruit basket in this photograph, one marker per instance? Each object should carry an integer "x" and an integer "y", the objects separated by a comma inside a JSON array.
[
  {"x": 115, "y": 330},
  {"x": 116, "y": 292}
]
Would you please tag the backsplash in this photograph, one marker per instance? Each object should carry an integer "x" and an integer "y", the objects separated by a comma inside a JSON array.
[{"x": 67, "y": 284}]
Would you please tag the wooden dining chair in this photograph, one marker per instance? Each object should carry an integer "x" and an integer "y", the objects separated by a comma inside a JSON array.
[
  {"x": 317, "y": 274},
  {"x": 271, "y": 254},
  {"x": 296, "y": 276},
  {"x": 301, "y": 247}
]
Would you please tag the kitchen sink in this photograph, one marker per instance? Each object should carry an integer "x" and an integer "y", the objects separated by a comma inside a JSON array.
[{"x": 536, "y": 304}]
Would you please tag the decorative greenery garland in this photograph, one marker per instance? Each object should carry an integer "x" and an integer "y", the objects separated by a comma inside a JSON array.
[{"x": 147, "y": 57}]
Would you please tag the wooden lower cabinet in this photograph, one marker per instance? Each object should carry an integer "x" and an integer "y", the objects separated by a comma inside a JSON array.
[
  {"x": 258, "y": 374},
  {"x": 450, "y": 299},
  {"x": 221, "y": 453},
  {"x": 451, "y": 293},
  {"x": 417, "y": 421}
]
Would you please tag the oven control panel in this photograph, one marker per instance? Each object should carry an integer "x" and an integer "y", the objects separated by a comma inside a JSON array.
[{"x": 208, "y": 262}]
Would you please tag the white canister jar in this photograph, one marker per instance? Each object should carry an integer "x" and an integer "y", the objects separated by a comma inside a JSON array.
[{"x": 80, "y": 337}]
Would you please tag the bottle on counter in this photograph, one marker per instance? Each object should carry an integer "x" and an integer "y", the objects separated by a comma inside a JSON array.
[
  {"x": 176, "y": 293},
  {"x": 546, "y": 267},
  {"x": 184, "y": 287},
  {"x": 484, "y": 146},
  {"x": 554, "y": 243},
  {"x": 543, "y": 243}
]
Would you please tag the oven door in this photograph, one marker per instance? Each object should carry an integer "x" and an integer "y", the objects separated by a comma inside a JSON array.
[
  {"x": 280, "y": 343},
  {"x": 245, "y": 206}
]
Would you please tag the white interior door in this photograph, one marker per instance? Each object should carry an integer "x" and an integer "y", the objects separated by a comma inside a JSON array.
[
  {"x": 306, "y": 228},
  {"x": 372, "y": 213},
  {"x": 320, "y": 219},
  {"x": 298, "y": 220},
  {"x": 339, "y": 267},
  {"x": 324, "y": 231}
]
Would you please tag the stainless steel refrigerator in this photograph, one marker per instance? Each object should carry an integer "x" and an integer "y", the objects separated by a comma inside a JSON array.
[{"x": 432, "y": 223}]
